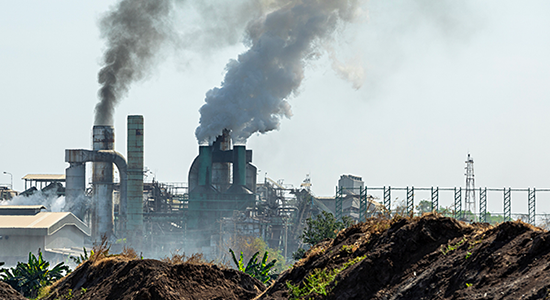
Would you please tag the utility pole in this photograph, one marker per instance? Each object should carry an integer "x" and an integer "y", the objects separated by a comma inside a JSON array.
[{"x": 470, "y": 197}]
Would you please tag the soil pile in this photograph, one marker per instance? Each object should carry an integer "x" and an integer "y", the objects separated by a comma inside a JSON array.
[
  {"x": 121, "y": 278},
  {"x": 9, "y": 293},
  {"x": 428, "y": 257}
]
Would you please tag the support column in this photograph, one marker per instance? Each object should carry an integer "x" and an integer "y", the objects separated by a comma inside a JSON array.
[
  {"x": 435, "y": 198},
  {"x": 507, "y": 204},
  {"x": 338, "y": 203},
  {"x": 410, "y": 200},
  {"x": 483, "y": 205},
  {"x": 387, "y": 198},
  {"x": 531, "y": 199},
  {"x": 458, "y": 203}
]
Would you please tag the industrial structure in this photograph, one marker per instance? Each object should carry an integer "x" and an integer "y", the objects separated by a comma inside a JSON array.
[
  {"x": 222, "y": 198},
  {"x": 25, "y": 229}
]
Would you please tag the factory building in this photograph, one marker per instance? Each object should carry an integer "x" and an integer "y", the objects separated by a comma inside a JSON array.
[{"x": 27, "y": 228}]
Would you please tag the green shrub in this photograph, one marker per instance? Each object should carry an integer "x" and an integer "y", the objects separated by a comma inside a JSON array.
[
  {"x": 28, "y": 278},
  {"x": 259, "y": 270}
]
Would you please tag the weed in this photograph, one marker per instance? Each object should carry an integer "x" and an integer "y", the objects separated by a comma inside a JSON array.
[
  {"x": 100, "y": 250},
  {"x": 83, "y": 291},
  {"x": 468, "y": 254},
  {"x": 82, "y": 258},
  {"x": 318, "y": 281},
  {"x": 348, "y": 248},
  {"x": 451, "y": 248},
  {"x": 468, "y": 285},
  {"x": 194, "y": 259}
]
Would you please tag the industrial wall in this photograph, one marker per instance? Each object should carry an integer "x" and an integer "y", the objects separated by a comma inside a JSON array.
[
  {"x": 66, "y": 237},
  {"x": 17, "y": 247}
]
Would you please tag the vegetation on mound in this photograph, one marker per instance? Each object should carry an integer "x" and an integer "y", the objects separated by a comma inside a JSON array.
[{"x": 323, "y": 226}]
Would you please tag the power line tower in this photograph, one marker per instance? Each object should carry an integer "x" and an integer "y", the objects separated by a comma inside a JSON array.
[{"x": 470, "y": 199}]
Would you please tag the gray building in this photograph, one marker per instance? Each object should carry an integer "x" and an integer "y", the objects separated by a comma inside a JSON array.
[{"x": 26, "y": 228}]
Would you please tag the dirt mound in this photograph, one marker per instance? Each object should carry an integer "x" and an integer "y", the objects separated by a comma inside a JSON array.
[
  {"x": 120, "y": 278},
  {"x": 429, "y": 257},
  {"x": 8, "y": 293}
]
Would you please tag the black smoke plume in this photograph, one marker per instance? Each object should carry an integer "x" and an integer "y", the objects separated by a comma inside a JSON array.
[{"x": 134, "y": 31}]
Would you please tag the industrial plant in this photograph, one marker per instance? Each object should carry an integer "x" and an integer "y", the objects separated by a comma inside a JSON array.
[{"x": 221, "y": 199}]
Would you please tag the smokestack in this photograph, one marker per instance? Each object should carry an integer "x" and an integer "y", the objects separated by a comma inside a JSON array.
[
  {"x": 134, "y": 210},
  {"x": 205, "y": 165},
  {"x": 221, "y": 167},
  {"x": 102, "y": 180},
  {"x": 239, "y": 171},
  {"x": 75, "y": 186}
]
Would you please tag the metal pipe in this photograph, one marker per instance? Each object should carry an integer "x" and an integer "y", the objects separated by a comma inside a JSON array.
[{"x": 103, "y": 212}]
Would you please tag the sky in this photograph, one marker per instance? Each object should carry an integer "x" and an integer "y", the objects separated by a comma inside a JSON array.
[{"x": 442, "y": 79}]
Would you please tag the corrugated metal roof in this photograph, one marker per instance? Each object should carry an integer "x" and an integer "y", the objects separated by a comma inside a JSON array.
[
  {"x": 44, "y": 177},
  {"x": 43, "y": 223}
]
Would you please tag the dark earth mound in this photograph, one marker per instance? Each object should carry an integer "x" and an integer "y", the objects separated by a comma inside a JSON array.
[
  {"x": 121, "y": 278},
  {"x": 8, "y": 293},
  {"x": 428, "y": 257}
]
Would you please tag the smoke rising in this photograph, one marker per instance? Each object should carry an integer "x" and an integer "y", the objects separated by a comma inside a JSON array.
[
  {"x": 254, "y": 92},
  {"x": 135, "y": 31},
  {"x": 49, "y": 199}
]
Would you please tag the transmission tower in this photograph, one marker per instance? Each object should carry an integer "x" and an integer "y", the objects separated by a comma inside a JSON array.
[{"x": 470, "y": 199}]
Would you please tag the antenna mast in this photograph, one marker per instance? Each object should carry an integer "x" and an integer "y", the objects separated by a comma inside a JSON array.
[{"x": 470, "y": 199}]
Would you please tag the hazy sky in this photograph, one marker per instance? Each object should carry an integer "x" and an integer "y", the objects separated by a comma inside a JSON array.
[{"x": 443, "y": 79}]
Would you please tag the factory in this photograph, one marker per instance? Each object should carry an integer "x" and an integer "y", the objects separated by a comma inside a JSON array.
[{"x": 221, "y": 198}]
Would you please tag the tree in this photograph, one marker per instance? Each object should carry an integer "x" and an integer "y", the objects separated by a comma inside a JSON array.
[
  {"x": 424, "y": 206},
  {"x": 323, "y": 226}
]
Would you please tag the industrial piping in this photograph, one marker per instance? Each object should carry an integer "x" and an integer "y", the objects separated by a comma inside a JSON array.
[{"x": 75, "y": 174}]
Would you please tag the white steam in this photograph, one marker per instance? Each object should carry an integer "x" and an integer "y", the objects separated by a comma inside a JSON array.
[
  {"x": 49, "y": 199},
  {"x": 253, "y": 96}
]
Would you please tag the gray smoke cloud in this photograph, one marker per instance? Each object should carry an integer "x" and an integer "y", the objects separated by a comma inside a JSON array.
[
  {"x": 135, "y": 31},
  {"x": 253, "y": 95}
]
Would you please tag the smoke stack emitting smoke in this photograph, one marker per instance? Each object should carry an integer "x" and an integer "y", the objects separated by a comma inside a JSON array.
[
  {"x": 135, "y": 31},
  {"x": 253, "y": 95}
]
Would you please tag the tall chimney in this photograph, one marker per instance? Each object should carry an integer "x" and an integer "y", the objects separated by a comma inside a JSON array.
[
  {"x": 134, "y": 217},
  {"x": 102, "y": 180},
  {"x": 239, "y": 171}
]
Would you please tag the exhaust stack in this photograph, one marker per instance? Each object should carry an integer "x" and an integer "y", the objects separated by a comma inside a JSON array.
[{"x": 102, "y": 180}]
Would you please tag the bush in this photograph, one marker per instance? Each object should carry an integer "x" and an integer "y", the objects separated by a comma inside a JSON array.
[
  {"x": 259, "y": 270},
  {"x": 323, "y": 226},
  {"x": 28, "y": 278}
]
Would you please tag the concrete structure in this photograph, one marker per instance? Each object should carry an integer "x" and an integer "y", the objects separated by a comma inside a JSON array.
[
  {"x": 26, "y": 228},
  {"x": 350, "y": 184},
  {"x": 134, "y": 219}
]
